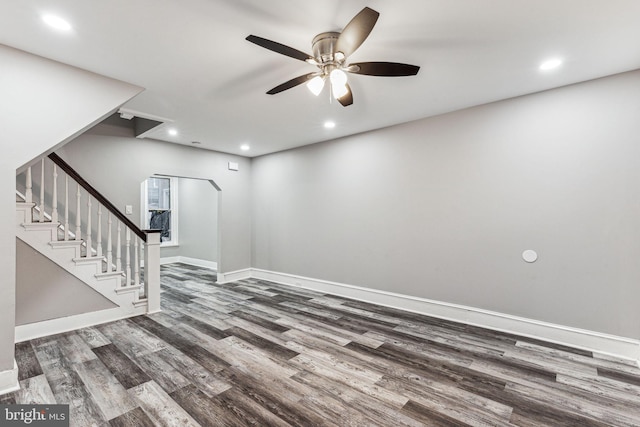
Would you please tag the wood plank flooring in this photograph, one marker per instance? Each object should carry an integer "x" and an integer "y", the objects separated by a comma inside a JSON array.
[{"x": 258, "y": 353}]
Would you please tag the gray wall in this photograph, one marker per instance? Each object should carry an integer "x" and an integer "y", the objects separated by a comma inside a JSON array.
[
  {"x": 197, "y": 221},
  {"x": 46, "y": 291},
  {"x": 63, "y": 101},
  {"x": 443, "y": 208},
  {"x": 117, "y": 164}
]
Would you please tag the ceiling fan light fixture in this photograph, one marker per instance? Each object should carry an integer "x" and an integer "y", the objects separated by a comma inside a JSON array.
[
  {"x": 338, "y": 77},
  {"x": 339, "y": 90},
  {"x": 315, "y": 85},
  {"x": 338, "y": 80}
]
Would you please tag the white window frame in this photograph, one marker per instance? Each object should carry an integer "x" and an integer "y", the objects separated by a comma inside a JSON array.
[{"x": 173, "y": 201}]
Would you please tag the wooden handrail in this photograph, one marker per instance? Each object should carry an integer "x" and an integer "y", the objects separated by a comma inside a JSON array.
[{"x": 99, "y": 197}]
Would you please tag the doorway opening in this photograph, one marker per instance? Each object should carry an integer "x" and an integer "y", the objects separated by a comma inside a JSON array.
[{"x": 186, "y": 210}]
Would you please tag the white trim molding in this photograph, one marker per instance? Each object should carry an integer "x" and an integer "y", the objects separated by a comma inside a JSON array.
[
  {"x": 621, "y": 347},
  {"x": 232, "y": 276},
  {"x": 71, "y": 323},
  {"x": 9, "y": 380},
  {"x": 191, "y": 261}
]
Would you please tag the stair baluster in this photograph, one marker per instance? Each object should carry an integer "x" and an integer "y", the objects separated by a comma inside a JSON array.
[
  {"x": 119, "y": 248},
  {"x": 66, "y": 208},
  {"x": 127, "y": 269},
  {"x": 136, "y": 262},
  {"x": 109, "y": 245},
  {"x": 54, "y": 201},
  {"x": 88, "y": 239},
  {"x": 28, "y": 194},
  {"x": 78, "y": 223},
  {"x": 99, "y": 238},
  {"x": 141, "y": 261},
  {"x": 41, "y": 219}
]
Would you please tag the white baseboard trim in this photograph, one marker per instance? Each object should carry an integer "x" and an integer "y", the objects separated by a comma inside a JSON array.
[
  {"x": 9, "y": 380},
  {"x": 232, "y": 276},
  {"x": 191, "y": 261},
  {"x": 71, "y": 323},
  {"x": 626, "y": 348}
]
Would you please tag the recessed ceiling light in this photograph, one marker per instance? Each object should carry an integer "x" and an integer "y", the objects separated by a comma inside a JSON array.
[
  {"x": 244, "y": 147},
  {"x": 329, "y": 124},
  {"x": 56, "y": 22},
  {"x": 173, "y": 132},
  {"x": 550, "y": 64}
]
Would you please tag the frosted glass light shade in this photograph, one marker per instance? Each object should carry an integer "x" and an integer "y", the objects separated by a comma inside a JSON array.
[
  {"x": 338, "y": 77},
  {"x": 315, "y": 85},
  {"x": 339, "y": 90}
]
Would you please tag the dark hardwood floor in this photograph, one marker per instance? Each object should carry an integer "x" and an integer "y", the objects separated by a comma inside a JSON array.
[{"x": 257, "y": 353}]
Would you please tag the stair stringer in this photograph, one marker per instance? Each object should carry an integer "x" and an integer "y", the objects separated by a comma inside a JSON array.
[{"x": 67, "y": 254}]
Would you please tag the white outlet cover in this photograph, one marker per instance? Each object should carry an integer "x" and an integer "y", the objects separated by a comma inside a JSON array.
[
  {"x": 529, "y": 256},
  {"x": 128, "y": 209}
]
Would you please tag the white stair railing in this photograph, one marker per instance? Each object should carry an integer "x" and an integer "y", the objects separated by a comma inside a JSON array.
[{"x": 145, "y": 243}]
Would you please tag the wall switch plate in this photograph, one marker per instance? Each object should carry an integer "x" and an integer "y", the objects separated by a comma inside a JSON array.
[
  {"x": 233, "y": 166},
  {"x": 128, "y": 209}
]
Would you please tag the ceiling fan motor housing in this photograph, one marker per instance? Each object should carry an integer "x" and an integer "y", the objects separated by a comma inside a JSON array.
[{"x": 323, "y": 46}]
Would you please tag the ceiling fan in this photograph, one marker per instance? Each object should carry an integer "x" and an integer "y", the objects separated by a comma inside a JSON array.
[{"x": 331, "y": 51}]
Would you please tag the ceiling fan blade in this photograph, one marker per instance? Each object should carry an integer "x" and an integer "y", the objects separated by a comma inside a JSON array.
[
  {"x": 279, "y": 48},
  {"x": 356, "y": 31},
  {"x": 291, "y": 83},
  {"x": 347, "y": 98},
  {"x": 384, "y": 69}
]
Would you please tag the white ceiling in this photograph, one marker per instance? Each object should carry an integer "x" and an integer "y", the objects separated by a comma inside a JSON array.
[{"x": 200, "y": 72}]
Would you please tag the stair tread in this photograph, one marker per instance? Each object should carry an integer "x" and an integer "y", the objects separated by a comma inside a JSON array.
[
  {"x": 87, "y": 259},
  {"x": 37, "y": 224},
  {"x": 108, "y": 274},
  {"x": 66, "y": 243},
  {"x": 128, "y": 289}
]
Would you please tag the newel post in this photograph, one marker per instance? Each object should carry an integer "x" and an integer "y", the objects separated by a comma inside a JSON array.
[{"x": 152, "y": 270}]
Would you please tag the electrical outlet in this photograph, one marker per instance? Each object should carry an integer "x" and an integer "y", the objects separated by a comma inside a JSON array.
[{"x": 128, "y": 209}]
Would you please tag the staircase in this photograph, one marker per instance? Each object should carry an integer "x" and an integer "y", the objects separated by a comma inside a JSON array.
[{"x": 86, "y": 235}]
